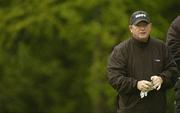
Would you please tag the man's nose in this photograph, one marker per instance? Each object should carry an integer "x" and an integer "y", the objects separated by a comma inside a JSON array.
[{"x": 142, "y": 27}]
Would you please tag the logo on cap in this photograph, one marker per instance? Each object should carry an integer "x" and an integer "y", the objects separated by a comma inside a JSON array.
[{"x": 140, "y": 15}]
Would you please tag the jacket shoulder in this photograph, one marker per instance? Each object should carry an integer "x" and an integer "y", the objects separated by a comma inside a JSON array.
[
  {"x": 176, "y": 23},
  {"x": 176, "y": 20},
  {"x": 158, "y": 41},
  {"x": 122, "y": 45}
]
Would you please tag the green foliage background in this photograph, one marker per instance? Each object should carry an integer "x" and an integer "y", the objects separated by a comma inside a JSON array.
[{"x": 53, "y": 53}]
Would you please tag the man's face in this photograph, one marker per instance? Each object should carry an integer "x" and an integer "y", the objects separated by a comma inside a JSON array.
[{"x": 141, "y": 31}]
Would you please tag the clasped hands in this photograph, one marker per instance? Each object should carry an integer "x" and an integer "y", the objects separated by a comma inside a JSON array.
[{"x": 145, "y": 86}]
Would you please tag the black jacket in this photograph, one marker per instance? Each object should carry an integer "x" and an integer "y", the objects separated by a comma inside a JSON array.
[
  {"x": 173, "y": 42},
  {"x": 131, "y": 61}
]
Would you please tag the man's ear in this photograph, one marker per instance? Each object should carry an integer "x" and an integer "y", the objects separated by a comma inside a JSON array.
[
  {"x": 150, "y": 24},
  {"x": 130, "y": 28}
]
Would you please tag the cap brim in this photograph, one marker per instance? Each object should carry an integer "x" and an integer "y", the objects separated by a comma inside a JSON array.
[{"x": 141, "y": 20}]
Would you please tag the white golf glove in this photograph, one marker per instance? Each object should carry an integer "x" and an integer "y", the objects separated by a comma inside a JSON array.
[
  {"x": 144, "y": 86},
  {"x": 156, "y": 81}
]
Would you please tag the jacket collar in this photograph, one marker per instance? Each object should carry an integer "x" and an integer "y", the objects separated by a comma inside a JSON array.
[{"x": 140, "y": 43}]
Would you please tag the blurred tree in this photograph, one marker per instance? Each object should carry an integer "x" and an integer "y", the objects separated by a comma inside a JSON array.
[{"x": 53, "y": 53}]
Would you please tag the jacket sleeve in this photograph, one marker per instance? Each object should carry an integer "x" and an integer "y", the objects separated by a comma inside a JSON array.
[
  {"x": 117, "y": 72},
  {"x": 169, "y": 73},
  {"x": 173, "y": 40}
]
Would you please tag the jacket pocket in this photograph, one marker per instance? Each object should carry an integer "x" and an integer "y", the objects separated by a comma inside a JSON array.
[{"x": 126, "y": 102}]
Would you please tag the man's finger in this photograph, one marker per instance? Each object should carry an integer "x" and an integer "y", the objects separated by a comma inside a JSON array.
[{"x": 158, "y": 87}]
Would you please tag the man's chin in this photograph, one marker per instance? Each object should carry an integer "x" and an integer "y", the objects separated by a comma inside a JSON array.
[{"x": 143, "y": 37}]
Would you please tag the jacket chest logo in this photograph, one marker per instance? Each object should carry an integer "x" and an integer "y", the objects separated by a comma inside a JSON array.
[{"x": 157, "y": 60}]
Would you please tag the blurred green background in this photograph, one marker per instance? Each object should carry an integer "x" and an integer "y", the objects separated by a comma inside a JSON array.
[{"x": 53, "y": 53}]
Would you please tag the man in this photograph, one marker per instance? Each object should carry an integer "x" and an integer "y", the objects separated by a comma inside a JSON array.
[
  {"x": 173, "y": 42},
  {"x": 140, "y": 69}
]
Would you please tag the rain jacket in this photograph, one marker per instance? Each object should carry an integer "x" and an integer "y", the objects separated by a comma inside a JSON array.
[
  {"x": 132, "y": 61},
  {"x": 173, "y": 42}
]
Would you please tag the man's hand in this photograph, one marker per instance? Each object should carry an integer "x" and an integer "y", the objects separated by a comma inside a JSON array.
[
  {"x": 157, "y": 81},
  {"x": 144, "y": 85}
]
